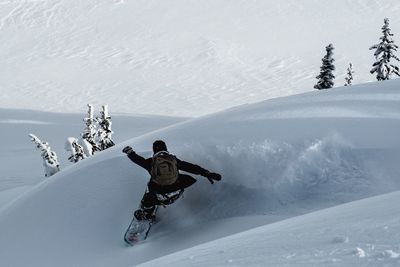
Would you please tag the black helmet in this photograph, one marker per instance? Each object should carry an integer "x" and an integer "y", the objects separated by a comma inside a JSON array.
[{"x": 158, "y": 146}]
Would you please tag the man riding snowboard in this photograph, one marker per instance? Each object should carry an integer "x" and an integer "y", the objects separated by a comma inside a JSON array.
[{"x": 166, "y": 183}]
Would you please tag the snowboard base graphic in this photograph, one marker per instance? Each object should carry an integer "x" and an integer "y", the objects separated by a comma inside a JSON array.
[{"x": 137, "y": 231}]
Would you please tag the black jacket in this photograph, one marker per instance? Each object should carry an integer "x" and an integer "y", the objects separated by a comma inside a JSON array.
[
  {"x": 183, "y": 181},
  {"x": 182, "y": 165}
]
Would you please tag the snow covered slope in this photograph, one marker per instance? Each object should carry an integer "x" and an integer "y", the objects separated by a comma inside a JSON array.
[
  {"x": 362, "y": 233},
  {"x": 196, "y": 56},
  {"x": 279, "y": 158}
]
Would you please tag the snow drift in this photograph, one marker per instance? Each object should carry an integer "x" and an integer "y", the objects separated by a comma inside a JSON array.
[{"x": 278, "y": 158}]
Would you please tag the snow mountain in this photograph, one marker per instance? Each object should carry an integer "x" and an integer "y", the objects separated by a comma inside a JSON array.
[
  {"x": 308, "y": 180},
  {"x": 198, "y": 56},
  {"x": 280, "y": 159}
]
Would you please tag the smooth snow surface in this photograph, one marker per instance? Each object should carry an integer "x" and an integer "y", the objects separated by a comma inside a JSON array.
[
  {"x": 279, "y": 159},
  {"x": 190, "y": 57}
]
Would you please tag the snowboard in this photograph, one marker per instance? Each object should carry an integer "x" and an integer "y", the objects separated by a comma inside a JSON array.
[{"x": 138, "y": 230}]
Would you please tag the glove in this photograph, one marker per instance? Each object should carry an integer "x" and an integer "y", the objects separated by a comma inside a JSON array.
[
  {"x": 211, "y": 176},
  {"x": 127, "y": 150}
]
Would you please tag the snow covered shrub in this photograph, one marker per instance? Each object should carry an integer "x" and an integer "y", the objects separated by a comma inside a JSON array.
[
  {"x": 76, "y": 150},
  {"x": 90, "y": 133},
  {"x": 105, "y": 132},
  {"x": 349, "y": 76},
  {"x": 326, "y": 77},
  {"x": 384, "y": 52},
  {"x": 50, "y": 161}
]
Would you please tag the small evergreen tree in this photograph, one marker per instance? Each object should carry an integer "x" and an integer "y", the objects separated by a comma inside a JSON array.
[
  {"x": 87, "y": 148},
  {"x": 50, "y": 161},
  {"x": 90, "y": 132},
  {"x": 384, "y": 52},
  {"x": 75, "y": 149},
  {"x": 326, "y": 77},
  {"x": 349, "y": 76},
  {"x": 105, "y": 131}
]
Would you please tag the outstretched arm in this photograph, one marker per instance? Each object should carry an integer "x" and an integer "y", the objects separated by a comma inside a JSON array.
[
  {"x": 190, "y": 167},
  {"x": 139, "y": 160},
  {"x": 196, "y": 169}
]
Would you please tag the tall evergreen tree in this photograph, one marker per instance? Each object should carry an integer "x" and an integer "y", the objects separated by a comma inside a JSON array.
[
  {"x": 349, "y": 76},
  {"x": 90, "y": 132},
  {"x": 105, "y": 132},
  {"x": 50, "y": 161},
  {"x": 76, "y": 150},
  {"x": 384, "y": 52},
  {"x": 326, "y": 77}
]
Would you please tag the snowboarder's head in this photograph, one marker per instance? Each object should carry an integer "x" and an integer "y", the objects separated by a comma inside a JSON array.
[{"x": 158, "y": 146}]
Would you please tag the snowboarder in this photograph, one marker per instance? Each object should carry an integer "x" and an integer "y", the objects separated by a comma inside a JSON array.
[{"x": 166, "y": 183}]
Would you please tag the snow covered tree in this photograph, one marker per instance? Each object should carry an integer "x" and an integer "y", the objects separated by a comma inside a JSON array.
[
  {"x": 50, "y": 161},
  {"x": 326, "y": 77},
  {"x": 87, "y": 148},
  {"x": 76, "y": 150},
  {"x": 384, "y": 52},
  {"x": 105, "y": 131},
  {"x": 349, "y": 76},
  {"x": 90, "y": 132}
]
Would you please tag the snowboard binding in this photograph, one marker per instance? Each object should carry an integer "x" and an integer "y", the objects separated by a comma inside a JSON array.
[{"x": 142, "y": 215}]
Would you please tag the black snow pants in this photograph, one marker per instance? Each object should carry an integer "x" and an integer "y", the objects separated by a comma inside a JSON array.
[{"x": 150, "y": 199}]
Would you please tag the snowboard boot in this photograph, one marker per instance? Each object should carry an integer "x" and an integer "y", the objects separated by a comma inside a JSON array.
[{"x": 141, "y": 215}]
